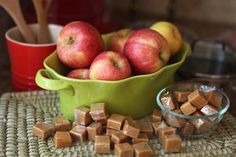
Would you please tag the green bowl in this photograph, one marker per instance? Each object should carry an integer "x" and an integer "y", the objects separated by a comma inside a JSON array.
[{"x": 134, "y": 96}]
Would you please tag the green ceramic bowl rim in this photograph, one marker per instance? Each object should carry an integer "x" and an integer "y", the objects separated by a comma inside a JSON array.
[
  {"x": 185, "y": 55},
  {"x": 221, "y": 112}
]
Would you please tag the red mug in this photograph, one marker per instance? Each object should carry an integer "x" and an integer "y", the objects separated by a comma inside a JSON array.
[{"x": 26, "y": 58}]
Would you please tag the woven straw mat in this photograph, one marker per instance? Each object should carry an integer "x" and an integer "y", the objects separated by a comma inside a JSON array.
[{"x": 19, "y": 111}]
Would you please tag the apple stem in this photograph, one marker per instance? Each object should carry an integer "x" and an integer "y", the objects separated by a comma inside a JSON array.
[{"x": 70, "y": 40}]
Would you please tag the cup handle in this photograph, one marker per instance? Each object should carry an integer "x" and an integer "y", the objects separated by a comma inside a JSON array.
[{"x": 45, "y": 80}]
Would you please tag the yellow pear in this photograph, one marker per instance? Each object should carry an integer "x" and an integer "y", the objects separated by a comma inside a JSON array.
[{"x": 171, "y": 33}]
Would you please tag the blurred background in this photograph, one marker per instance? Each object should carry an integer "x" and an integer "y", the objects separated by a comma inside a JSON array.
[{"x": 208, "y": 25}]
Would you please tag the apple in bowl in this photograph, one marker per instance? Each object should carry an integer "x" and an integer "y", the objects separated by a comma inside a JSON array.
[
  {"x": 147, "y": 51},
  {"x": 82, "y": 73}
]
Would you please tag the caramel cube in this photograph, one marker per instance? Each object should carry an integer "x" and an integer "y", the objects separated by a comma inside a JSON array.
[
  {"x": 156, "y": 115},
  {"x": 173, "y": 120},
  {"x": 115, "y": 121},
  {"x": 142, "y": 149},
  {"x": 82, "y": 115},
  {"x": 197, "y": 99},
  {"x": 142, "y": 137},
  {"x": 172, "y": 143},
  {"x": 79, "y": 133},
  {"x": 146, "y": 127},
  {"x": 61, "y": 123},
  {"x": 187, "y": 129},
  {"x": 155, "y": 126},
  {"x": 42, "y": 130},
  {"x": 119, "y": 137},
  {"x": 124, "y": 150},
  {"x": 98, "y": 111},
  {"x": 215, "y": 99},
  {"x": 102, "y": 144},
  {"x": 94, "y": 129},
  {"x": 208, "y": 110},
  {"x": 164, "y": 132},
  {"x": 102, "y": 121},
  {"x": 187, "y": 108},
  {"x": 62, "y": 139},
  {"x": 131, "y": 129},
  {"x": 181, "y": 96},
  {"x": 168, "y": 102},
  {"x": 110, "y": 131},
  {"x": 201, "y": 125}
]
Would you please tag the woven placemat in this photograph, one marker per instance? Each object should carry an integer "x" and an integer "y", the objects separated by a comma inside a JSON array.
[{"x": 20, "y": 111}]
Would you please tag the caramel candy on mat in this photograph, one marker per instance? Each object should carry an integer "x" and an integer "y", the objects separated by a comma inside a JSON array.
[
  {"x": 98, "y": 111},
  {"x": 172, "y": 143},
  {"x": 146, "y": 127},
  {"x": 79, "y": 133},
  {"x": 142, "y": 137},
  {"x": 168, "y": 102},
  {"x": 187, "y": 129},
  {"x": 61, "y": 123},
  {"x": 94, "y": 129},
  {"x": 62, "y": 139},
  {"x": 208, "y": 110},
  {"x": 119, "y": 137},
  {"x": 82, "y": 115},
  {"x": 214, "y": 99},
  {"x": 102, "y": 144},
  {"x": 142, "y": 149},
  {"x": 156, "y": 115},
  {"x": 181, "y": 96},
  {"x": 131, "y": 129},
  {"x": 197, "y": 99},
  {"x": 115, "y": 121},
  {"x": 187, "y": 108},
  {"x": 42, "y": 130},
  {"x": 124, "y": 150},
  {"x": 164, "y": 132}
]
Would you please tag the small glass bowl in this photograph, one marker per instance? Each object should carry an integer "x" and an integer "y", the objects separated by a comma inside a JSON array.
[{"x": 203, "y": 125}]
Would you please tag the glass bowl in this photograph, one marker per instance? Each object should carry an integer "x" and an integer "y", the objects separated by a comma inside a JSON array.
[{"x": 197, "y": 124}]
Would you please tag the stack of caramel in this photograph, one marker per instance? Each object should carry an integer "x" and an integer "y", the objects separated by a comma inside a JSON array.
[{"x": 128, "y": 137}]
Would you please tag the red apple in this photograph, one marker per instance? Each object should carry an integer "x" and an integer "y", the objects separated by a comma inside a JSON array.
[
  {"x": 78, "y": 44},
  {"x": 118, "y": 39},
  {"x": 79, "y": 74},
  {"x": 147, "y": 51},
  {"x": 110, "y": 65}
]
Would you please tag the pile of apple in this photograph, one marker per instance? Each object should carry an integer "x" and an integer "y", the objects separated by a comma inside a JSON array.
[{"x": 128, "y": 52}]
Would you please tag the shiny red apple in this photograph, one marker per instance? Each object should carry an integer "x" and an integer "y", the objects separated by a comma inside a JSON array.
[
  {"x": 79, "y": 74},
  {"x": 147, "y": 51},
  {"x": 118, "y": 39},
  {"x": 110, "y": 65},
  {"x": 78, "y": 44}
]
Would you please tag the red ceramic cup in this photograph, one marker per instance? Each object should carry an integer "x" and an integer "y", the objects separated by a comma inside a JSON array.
[{"x": 27, "y": 58}]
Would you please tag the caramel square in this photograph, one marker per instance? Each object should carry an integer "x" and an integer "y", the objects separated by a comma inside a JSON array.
[
  {"x": 142, "y": 149},
  {"x": 181, "y": 96},
  {"x": 197, "y": 99},
  {"x": 156, "y": 115},
  {"x": 142, "y": 137},
  {"x": 208, "y": 110},
  {"x": 42, "y": 130},
  {"x": 187, "y": 108},
  {"x": 164, "y": 132},
  {"x": 62, "y": 139},
  {"x": 102, "y": 144},
  {"x": 79, "y": 133},
  {"x": 172, "y": 143},
  {"x": 131, "y": 129},
  {"x": 146, "y": 127},
  {"x": 82, "y": 115},
  {"x": 214, "y": 99},
  {"x": 94, "y": 129},
  {"x": 98, "y": 111},
  {"x": 61, "y": 123},
  {"x": 167, "y": 102},
  {"x": 109, "y": 132},
  {"x": 124, "y": 150},
  {"x": 119, "y": 137},
  {"x": 115, "y": 121}
]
